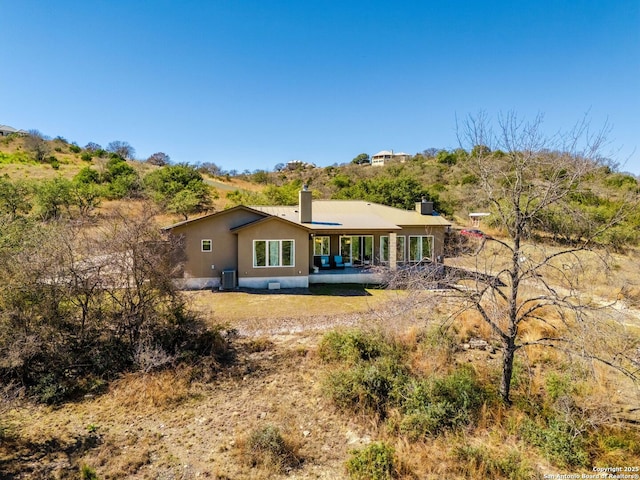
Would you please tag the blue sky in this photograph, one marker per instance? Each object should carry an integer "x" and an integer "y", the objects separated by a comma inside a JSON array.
[{"x": 248, "y": 84}]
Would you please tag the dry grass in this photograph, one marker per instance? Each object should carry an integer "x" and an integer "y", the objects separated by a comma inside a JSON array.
[
  {"x": 261, "y": 313},
  {"x": 140, "y": 391},
  {"x": 166, "y": 425}
]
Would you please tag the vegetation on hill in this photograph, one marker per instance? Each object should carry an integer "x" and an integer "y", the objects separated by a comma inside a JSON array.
[
  {"x": 86, "y": 303},
  {"x": 451, "y": 181},
  {"x": 80, "y": 305},
  {"x": 93, "y": 175}
]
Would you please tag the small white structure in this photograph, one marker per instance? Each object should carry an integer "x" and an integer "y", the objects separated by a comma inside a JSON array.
[
  {"x": 385, "y": 156},
  {"x": 476, "y": 217},
  {"x": 299, "y": 164}
]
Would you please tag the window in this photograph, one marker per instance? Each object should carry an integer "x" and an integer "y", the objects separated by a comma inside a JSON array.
[
  {"x": 206, "y": 245},
  {"x": 321, "y": 246},
  {"x": 400, "y": 248},
  {"x": 357, "y": 250},
  {"x": 273, "y": 253},
  {"x": 420, "y": 248},
  {"x": 384, "y": 249}
]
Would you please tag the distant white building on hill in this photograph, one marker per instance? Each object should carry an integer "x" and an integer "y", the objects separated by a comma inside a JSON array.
[
  {"x": 386, "y": 156},
  {"x": 299, "y": 164},
  {"x": 6, "y": 130}
]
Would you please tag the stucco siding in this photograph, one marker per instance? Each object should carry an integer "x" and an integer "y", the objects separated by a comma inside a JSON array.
[
  {"x": 224, "y": 249},
  {"x": 272, "y": 230}
]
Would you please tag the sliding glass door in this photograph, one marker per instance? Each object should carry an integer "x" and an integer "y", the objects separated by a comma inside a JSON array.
[{"x": 357, "y": 249}]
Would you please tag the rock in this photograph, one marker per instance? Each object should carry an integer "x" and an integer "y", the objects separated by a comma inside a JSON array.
[{"x": 478, "y": 344}]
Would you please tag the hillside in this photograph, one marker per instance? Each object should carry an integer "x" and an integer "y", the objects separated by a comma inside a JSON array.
[
  {"x": 445, "y": 177},
  {"x": 108, "y": 371}
]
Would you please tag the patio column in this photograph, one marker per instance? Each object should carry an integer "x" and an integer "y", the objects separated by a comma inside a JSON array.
[{"x": 393, "y": 242}]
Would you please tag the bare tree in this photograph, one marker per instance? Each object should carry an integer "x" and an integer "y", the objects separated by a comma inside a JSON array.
[
  {"x": 526, "y": 287},
  {"x": 159, "y": 158},
  {"x": 122, "y": 149},
  {"x": 526, "y": 176},
  {"x": 36, "y": 143}
]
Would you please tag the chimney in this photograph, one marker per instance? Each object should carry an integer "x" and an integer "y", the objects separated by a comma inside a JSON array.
[
  {"x": 424, "y": 208},
  {"x": 304, "y": 207}
]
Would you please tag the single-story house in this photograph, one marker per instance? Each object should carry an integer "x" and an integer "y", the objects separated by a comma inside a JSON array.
[{"x": 316, "y": 241}]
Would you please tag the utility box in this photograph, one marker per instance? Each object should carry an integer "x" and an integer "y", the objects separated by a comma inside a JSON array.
[{"x": 228, "y": 280}]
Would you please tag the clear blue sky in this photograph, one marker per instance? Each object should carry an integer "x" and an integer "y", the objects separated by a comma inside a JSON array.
[{"x": 248, "y": 84}]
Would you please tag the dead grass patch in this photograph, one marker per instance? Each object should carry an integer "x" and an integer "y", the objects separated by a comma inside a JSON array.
[
  {"x": 469, "y": 324},
  {"x": 151, "y": 390}
]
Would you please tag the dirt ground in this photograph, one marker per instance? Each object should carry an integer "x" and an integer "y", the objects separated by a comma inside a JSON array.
[
  {"x": 168, "y": 425},
  {"x": 164, "y": 426}
]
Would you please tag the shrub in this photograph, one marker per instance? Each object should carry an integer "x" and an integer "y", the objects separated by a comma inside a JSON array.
[
  {"x": 54, "y": 162},
  {"x": 374, "y": 462},
  {"x": 370, "y": 387},
  {"x": 266, "y": 446},
  {"x": 432, "y": 405},
  {"x": 353, "y": 346},
  {"x": 88, "y": 473},
  {"x": 469, "y": 179},
  {"x": 75, "y": 148},
  {"x": 558, "y": 386},
  {"x": 618, "y": 446},
  {"x": 478, "y": 462},
  {"x": 51, "y": 389},
  {"x": 558, "y": 442}
]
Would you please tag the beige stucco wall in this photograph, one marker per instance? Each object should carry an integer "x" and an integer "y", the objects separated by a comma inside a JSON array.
[
  {"x": 224, "y": 254},
  {"x": 273, "y": 229}
]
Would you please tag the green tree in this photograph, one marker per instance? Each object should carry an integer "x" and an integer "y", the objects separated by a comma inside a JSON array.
[
  {"x": 14, "y": 198},
  {"x": 400, "y": 192},
  {"x": 121, "y": 178},
  {"x": 286, "y": 194},
  {"x": 54, "y": 198},
  {"x": 361, "y": 159},
  {"x": 180, "y": 189},
  {"x": 86, "y": 197}
]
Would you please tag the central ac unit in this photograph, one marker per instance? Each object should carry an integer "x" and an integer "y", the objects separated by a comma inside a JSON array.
[{"x": 228, "y": 280}]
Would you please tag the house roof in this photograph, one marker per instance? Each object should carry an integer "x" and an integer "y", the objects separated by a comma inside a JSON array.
[
  {"x": 7, "y": 128},
  {"x": 342, "y": 219},
  {"x": 209, "y": 215},
  {"x": 383, "y": 153},
  {"x": 339, "y": 215},
  {"x": 267, "y": 219},
  {"x": 355, "y": 215},
  {"x": 387, "y": 153}
]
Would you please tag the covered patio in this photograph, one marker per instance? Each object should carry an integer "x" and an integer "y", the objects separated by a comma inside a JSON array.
[{"x": 359, "y": 275}]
